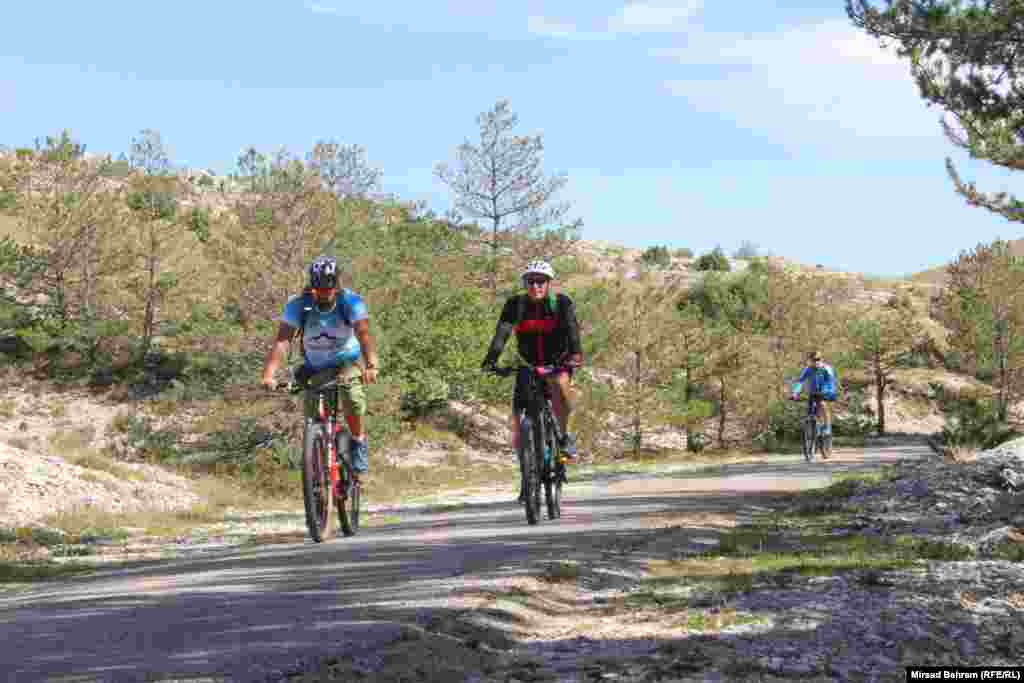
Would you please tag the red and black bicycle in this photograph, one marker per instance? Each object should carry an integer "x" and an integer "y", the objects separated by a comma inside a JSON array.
[{"x": 327, "y": 472}]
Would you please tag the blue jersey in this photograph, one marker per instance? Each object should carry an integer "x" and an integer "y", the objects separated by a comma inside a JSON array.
[
  {"x": 819, "y": 380},
  {"x": 328, "y": 340}
]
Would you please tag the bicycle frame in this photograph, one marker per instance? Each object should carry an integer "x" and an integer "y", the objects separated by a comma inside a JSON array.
[
  {"x": 812, "y": 421},
  {"x": 334, "y": 427}
]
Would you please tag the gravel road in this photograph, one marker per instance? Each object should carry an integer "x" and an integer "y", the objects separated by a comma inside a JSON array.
[{"x": 264, "y": 612}]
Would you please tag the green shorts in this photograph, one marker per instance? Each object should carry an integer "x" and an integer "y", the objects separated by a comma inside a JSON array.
[{"x": 350, "y": 390}]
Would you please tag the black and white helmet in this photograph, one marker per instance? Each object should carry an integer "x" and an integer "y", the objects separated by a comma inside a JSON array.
[
  {"x": 323, "y": 272},
  {"x": 538, "y": 268}
]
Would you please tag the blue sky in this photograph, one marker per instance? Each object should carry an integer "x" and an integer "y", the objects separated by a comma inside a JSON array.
[{"x": 677, "y": 122}]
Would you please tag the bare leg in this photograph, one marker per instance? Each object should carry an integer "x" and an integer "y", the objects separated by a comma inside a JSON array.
[
  {"x": 561, "y": 399},
  {"x": 355, "y": 425}
]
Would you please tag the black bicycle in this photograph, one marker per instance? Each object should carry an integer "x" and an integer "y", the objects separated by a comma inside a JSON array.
[
  {"x": 540, "y": 461},
  {"x": 326, "y": 462},
  {"x": 811, "y": 436}
]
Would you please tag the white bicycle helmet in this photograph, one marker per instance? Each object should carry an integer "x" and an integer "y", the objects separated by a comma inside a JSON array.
[{"x": 538, "y": 268}]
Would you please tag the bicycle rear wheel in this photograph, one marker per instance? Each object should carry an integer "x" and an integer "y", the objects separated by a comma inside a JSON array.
[
  {"x": 528, "y": 460},
  {"x": 316, "y": 481}
]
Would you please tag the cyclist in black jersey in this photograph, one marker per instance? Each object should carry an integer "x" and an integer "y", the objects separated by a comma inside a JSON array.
[{"x": 547, "y": 333}]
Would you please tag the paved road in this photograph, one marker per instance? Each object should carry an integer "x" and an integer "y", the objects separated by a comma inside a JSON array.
[{"x": 256, "y": 614}]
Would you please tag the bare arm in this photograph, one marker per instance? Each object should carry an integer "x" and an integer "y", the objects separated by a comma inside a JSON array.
[
  {"x": 362, "y": 331},
  {"x": 278, "y": 347}
]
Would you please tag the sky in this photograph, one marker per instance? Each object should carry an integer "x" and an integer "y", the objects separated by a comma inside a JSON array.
[{"x": 682, "y": 123}]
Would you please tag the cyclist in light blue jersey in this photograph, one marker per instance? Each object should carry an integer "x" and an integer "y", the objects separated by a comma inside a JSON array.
[
  {"x": 334, "y": 332},
  {"x": 818, "y": 378}
]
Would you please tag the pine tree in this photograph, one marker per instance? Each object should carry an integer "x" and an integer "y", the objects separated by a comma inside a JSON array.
[{"x": 966, "y": 59}]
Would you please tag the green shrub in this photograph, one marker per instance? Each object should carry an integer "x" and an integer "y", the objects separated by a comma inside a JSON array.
[
  {"x": 424, "y": 394},
  {"x": 8, "y": 200},
  {"x": 857, "y": 421},
  {"x": 683, "y": 252},
  {"x": 117, "y": 169},
  {"x": 566, "y": 266},
  {"x": 970, "y": 421},
  {"x": 656, "y": 256},
  {"x": 160, "y": 445},
  {"x": 782, "y": 425},
  {"x": 713, "y": 260}
]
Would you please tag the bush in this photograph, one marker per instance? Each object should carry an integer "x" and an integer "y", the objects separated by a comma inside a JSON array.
[
  {"x": 657, "y": 257},
  {"x": 150, "y": 442},
  {"x": 858, "y": 421},
  {"x": 683, "y": 252},
  {"x": 970, "y": 421},
  {"x": 900, "y": 301},
  {"x": 714, "y": 260},
  {"x": 8, "y": 200},
  {"x": 117, "y": 169},
  {"x": 426, "y": 393},
  {"x": 782, "y": 425},
  {"x": 568, "y": 265},
  {"x": 697, "y": 442}
]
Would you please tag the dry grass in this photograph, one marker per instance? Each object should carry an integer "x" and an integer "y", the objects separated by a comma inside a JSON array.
[
  {"x": 389, "y": 483},
  {"x": 9, "y": 227},
  {"x": 425, "y": 432},
  {"x": 94, "y": 460},
  {"x": 79, "y": 520},
  {"x": 68, "y": 440},
  {"x": 8, "y": 408}
]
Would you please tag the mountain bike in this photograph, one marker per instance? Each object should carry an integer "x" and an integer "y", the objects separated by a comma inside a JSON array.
[
  {"x": 811, "y": 436},
  {"x": 540, "y": 460},
  {"x": 327, "y": 471}
]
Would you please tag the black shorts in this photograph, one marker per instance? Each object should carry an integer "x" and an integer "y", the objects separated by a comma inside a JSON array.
[{"x": 519, "y": 393}]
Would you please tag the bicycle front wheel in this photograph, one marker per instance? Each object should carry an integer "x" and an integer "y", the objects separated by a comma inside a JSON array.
[
  {"x": 552, "y": 475},
  {"x": 807, "y": 442},
  {"x": 529, "y": 441},
  {"x": 316, "y": 481},
  {"x": 348, "y": 504}
]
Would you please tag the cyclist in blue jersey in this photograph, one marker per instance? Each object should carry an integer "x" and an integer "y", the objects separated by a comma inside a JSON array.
[
  {"x": 334, "y": 332},
  {"x": 819, "y": 378}
]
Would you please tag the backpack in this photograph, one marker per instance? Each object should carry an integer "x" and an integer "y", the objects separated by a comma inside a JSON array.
[{"x": 307, "y": 307}]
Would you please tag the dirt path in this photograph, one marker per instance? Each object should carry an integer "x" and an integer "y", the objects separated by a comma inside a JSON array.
[{"x": 263, "y": 613}]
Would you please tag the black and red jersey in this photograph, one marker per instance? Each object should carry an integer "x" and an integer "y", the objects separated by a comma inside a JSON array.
[{"x": 546, "y": 330}]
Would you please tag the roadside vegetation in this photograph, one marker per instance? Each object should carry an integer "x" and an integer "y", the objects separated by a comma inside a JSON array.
[{"x": 157, "y": 289}]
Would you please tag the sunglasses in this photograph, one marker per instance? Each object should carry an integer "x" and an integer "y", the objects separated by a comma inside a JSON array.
[{"x": 536, "y": 281}]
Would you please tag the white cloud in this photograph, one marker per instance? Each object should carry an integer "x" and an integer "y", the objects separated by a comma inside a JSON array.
[
  {"x": 654, "y": 17},
  {"x": 632, "y": 18},
  {"x": 827, "y": 85},
  {"x": 323, "y": 9}
]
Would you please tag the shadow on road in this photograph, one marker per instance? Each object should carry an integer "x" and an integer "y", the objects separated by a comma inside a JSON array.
[{"x": 257, "y": 614}]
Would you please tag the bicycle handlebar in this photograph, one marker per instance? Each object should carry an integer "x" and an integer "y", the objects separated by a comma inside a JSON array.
[{"x": 544, "y": 369}]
